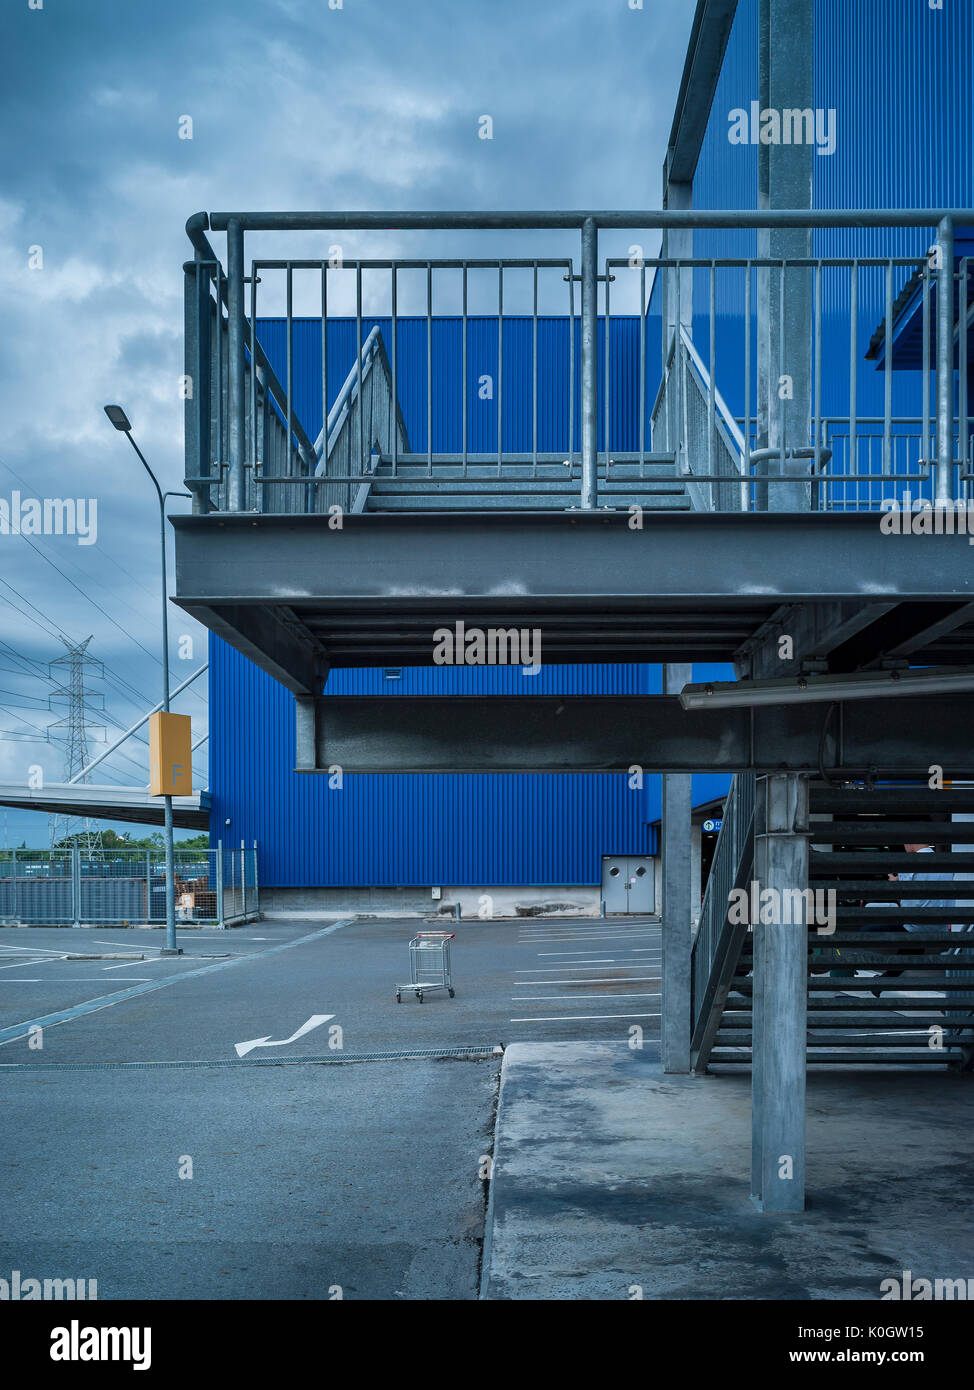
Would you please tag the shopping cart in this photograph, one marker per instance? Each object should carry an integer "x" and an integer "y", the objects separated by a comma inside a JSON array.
[{"x": 429, "y": 964}]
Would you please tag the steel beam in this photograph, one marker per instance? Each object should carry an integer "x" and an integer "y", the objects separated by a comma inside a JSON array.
[
  {"x": 609, "y": 733},
  {"x": 575, "y": 560},
  {"x": 281, "y": 648}
]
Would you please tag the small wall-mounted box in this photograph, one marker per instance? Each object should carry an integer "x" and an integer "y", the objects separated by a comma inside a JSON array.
[{"x": 437, "y": 894}]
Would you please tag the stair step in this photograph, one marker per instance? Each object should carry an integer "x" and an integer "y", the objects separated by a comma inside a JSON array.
[
  {"x": 960, "y": 915},
  {"x": 891, "y": 799},
  {"x": 883, "y": 832},
  {"x": 921, "y": 1057},
  {"x": 503, "y": 487},
  {"x": 918, "y": 983},
  {"x": 880, "y": 890},
  {"x": 520, "y": 502},
  {"x": 825, "y": 863}
]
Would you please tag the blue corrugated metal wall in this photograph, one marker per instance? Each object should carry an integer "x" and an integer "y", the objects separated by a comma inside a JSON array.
[
  {"x": 553, "y": 376},
  {"x": 897, "y": 75}
]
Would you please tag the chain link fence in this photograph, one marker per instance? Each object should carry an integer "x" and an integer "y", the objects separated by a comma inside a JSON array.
[{"x": 78, "y": 887}]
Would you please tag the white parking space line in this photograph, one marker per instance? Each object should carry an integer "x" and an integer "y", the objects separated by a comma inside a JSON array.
[
  {"x": 21, "y": 964},
  {"x": 543, "y": 969},
  {"x": 599, "y": 980},
  {"x": 541, "y": 998},
  {"x": 576, "y": 1018},
  {"x": 66, "y": 979},
  {"x": 30, "y": 950},
  {"x": 593, "y": 959}
]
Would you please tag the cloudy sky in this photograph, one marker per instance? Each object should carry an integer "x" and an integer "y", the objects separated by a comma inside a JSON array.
[{"x": 294, "y": 105}]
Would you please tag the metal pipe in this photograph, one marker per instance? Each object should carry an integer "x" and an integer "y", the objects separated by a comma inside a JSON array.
[
  {"x": 463, "y": 369},
  {"x": 500, "y": 368},
  {"x": 236, "y": 500},
  {"x": 429, "y": 369},
  {"x": 534, "y": 376},
  {"x": 395, "y": 370},
  {"x": 888, "y": 374},
  {"x": 574, "y": 220},
  {"x": 853, "y": 362},
  {"x": 944, "y": 481},
  {"x": 589, "y": 347}
]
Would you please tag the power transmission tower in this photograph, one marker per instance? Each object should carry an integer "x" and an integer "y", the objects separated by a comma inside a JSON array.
[{"x": 69, "y": 672}]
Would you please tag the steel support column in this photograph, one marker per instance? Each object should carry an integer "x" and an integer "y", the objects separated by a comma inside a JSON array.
[
  {"x": 589, "y": 355},
  {"x": 236, "y": 377},
  {"x": 677, "y": 907},
  {"x": 779, "y": 999},
  {"x": 944, "y": 477},
  {"x": 785, "y": 296}
]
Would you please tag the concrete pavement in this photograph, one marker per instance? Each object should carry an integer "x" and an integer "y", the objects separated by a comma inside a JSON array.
[{"x": 612, "y": 1180}]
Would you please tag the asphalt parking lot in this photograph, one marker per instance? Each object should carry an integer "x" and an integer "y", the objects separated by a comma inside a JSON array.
[{"x": 153, "y": 1145}]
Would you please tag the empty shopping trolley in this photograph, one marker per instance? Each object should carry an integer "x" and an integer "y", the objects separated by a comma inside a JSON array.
[{"x": 429, "y": 964}]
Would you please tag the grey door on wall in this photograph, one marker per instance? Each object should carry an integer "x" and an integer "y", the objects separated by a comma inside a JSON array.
[{"x": 628, "y": 883}]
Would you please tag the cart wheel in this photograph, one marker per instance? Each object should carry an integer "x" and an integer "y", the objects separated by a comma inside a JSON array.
[
  {"x": 398, "y": 997},
  {"x": 419, "y": 996},
  {"x": 452, "y": 992}
]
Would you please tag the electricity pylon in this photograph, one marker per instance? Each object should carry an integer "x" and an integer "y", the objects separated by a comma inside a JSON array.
[{"x": 69, "y": 673}]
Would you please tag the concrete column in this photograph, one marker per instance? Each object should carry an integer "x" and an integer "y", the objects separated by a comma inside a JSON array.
[
  {"x": 785, "y": 82},
  {"x": 780, "y": 998},
  {"x": 676, "y": 908}
]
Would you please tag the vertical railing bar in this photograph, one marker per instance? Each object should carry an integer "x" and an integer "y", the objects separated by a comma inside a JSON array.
[
  {"x": 888, "y": 373},
  {"x": 571, "y": 368},
  {"x": 782, "y": 442},
  {"x": 962, "y": 310},
  {"x": 944, "y": 489},
  {"x": 394, "y": 271},
  {"x": 606, "y": 387},
  {"x": 219, "y": 382},
  {"x": 429, "y": 369},
  {"x": 746, "y": 460},
  {"x": 324, "y": 369},
  {"x": 259, "y": 491},
  {"x": 926, "y": 450},
  {"x": 590, "y": 364},
  {"x": 642, "y": 368},
  {"x": 851, "y": 460},
  {"x": 712, "y": 389},
  {"x": 290, "y": 375},
  {"x": 534, "y": 377},
  {"x": 356, "y": 470},
  {"x": 678, "y": 366},
  {"x": 463, "y": 394},
  {"x": 818, "y": 490},
  {"x": 500, "y": 363}
]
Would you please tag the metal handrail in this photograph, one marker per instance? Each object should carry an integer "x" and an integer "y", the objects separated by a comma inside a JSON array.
[{"x": 717, "y": 944}]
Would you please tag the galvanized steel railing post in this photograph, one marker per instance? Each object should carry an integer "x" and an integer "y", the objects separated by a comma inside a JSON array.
[
  {"x": 944, "y": 484},
  {"x": 236, "y": 500},
  {"x": 219, "y": 885},
  {"x": 589, "y": 350},
  {"x": 76, "y": 884}
]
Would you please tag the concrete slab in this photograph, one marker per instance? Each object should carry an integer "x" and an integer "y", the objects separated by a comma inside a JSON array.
[{"x": 613, "y": 1181}]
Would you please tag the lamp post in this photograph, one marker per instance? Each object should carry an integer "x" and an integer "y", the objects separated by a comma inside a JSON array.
[{"x": 120, "y": 420}]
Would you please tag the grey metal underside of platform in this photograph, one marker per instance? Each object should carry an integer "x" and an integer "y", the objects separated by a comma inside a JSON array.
[{"x": 290, "y": 591}]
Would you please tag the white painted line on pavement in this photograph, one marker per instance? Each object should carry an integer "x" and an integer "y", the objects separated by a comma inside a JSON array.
[
  {"x": 599, "y": 980},
  {"x": 576, "y": 1018},
  {"x": 540, "y": 998}
]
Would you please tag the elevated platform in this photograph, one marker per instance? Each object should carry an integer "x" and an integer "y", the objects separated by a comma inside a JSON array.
[{"x": 298, "y": 597}]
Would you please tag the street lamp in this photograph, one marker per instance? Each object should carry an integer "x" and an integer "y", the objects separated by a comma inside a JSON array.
[{"x": 120, "y": 420}]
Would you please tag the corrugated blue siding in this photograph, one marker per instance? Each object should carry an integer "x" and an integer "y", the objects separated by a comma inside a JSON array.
[
  {"x": 414, "y": 830},
  {"x": 897, "y": 75},
  {"x": 553, "y": 377}
]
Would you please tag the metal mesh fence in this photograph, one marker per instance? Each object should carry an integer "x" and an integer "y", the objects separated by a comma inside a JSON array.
[{"x": 125, "y": 886}]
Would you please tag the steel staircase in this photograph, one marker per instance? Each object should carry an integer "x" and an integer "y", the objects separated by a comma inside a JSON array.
[
  {"x": 876, "y": 993},
  {"x": 550, "y": 485}
]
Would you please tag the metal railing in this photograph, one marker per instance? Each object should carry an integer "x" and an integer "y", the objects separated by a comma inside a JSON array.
[
  {"x": 244, "y": 428},
  {"x": 717, "y": 944},
  {"x": 76, "y": 886}
]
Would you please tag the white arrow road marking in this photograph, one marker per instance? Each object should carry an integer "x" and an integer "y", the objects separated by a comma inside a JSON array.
[{"x": 315, "y": 1021}]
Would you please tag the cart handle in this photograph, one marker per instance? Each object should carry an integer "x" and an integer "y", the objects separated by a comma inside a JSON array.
[{"x": 439, "y": 935}]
